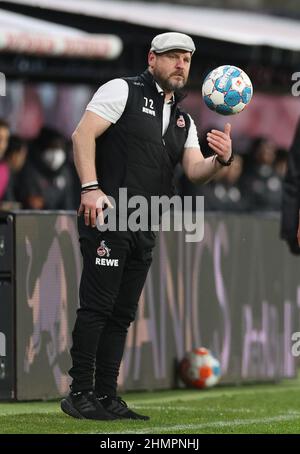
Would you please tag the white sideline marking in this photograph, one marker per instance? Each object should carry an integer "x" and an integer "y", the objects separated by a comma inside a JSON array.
[
  {"x": 233, "y": 423},
  {"x": 211, "y": 394},
  {"x": 203, "y": 410},
  {"x": 31, "y": 412}
]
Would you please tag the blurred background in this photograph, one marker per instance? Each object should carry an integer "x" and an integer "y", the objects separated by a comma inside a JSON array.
[
  {"x": 237, "y": 291},
  {"x": 56, "y": 54}
]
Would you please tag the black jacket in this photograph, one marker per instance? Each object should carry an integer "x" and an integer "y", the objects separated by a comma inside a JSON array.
[
  {"x": 133, "y": 153},
  {"x": 291, "y": 196}
]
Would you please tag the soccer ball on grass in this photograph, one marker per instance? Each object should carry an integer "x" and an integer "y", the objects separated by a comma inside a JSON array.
[{"x": 200, "y": 369}]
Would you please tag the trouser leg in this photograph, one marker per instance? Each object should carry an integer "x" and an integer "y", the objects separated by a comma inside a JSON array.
[
  {"x": 98, "y": 291},
  {"x": 113, "y": 337}
]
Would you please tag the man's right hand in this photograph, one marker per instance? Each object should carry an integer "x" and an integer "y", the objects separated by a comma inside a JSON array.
[{"x": 92, "y": 204}]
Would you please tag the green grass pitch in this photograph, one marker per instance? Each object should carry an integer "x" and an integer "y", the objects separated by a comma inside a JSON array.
[{"x": 255, "y": 409}]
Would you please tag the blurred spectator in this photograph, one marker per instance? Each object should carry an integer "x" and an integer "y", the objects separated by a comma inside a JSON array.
[
  {"x": 46, "y": 179},
  {"x": 281, "y": 162},
  {"x": 252, "y": 183},
  {"x": 263, "y": 182},
  {"x": 14, "y": 158},
  {"x": 4, "y": 171},
  {"x": 74, "y": 176},
  {"x": 227, "y": 192}
]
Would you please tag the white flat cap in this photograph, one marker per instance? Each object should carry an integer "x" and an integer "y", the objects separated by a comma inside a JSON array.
[{"x": 172, "y": 40}]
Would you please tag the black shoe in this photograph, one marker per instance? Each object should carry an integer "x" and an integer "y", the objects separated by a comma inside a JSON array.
[
  {"x": 117, "y": 407},
  {"x": 84, "y": 405}
]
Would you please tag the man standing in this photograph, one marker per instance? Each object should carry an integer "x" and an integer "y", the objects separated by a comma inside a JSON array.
[{"x": 141, "y": 134}]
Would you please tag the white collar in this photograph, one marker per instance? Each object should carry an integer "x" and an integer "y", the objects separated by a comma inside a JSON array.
[{"x": 160, "y": 90}]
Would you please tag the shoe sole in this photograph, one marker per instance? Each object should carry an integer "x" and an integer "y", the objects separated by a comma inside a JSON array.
[
  {"x": 146, "y": 418},
  {"x": 70, "y": 410}
]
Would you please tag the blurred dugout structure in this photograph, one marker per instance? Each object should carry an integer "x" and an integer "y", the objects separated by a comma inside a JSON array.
[
  {"x": 255, "y": 41},
  {"x": 80, "y": 45},
  {"x": 289, "y": 8}
]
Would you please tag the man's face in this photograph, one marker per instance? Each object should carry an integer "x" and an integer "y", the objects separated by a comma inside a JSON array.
[
  {"x": 170, "y": 69},
  {"x": 4, "y": 136}
]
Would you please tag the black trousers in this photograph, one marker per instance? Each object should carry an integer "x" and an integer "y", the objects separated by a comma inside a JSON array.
[{"x": 115, "y": 267}]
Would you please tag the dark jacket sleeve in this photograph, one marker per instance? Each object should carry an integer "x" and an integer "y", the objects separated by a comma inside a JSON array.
[{"x": 291, "y": 196}]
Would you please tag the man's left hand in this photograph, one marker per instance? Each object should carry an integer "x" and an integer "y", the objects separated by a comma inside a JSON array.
[{"x": 220, "y": 142}]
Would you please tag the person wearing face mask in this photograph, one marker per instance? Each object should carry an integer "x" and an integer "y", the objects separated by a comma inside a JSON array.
[{"x": 46, "y": 180}]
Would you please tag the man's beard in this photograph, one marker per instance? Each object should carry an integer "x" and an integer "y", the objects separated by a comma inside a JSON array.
[{"x": 167, "y": 84}]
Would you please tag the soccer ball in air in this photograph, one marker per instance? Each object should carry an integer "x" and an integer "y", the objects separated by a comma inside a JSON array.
[
  {"x": 227, "y": 90},
  {"x": 200, "y": 369}
]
